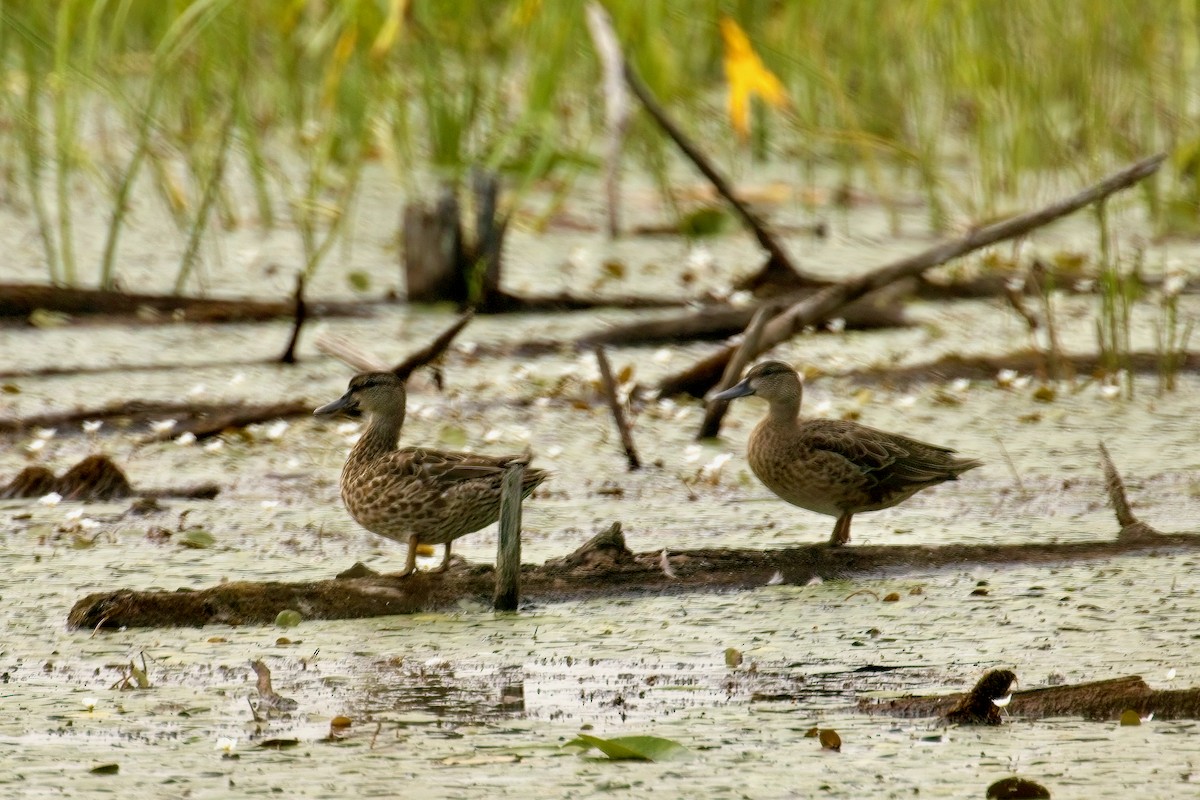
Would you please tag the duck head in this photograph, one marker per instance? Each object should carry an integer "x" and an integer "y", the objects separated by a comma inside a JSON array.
[
  {"x": 371, "y": 393},
  {"x": 773, "y": 381}
]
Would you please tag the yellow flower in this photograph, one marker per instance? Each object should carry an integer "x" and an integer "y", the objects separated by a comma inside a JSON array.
[{"x": 747, "y": 76}]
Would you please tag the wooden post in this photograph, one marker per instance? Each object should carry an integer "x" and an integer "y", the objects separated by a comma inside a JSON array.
[
  {"x": 618, "y": 411},
  {"x": 508, "y": 551}
]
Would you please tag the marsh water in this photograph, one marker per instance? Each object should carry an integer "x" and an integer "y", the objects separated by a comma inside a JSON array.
[{"x": 468, "y": 703}]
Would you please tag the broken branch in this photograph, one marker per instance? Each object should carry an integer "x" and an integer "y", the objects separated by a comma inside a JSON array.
[{"x": 698, "y": 379}]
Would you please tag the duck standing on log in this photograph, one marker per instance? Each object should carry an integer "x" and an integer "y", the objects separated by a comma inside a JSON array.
[
  {"x": 832, "y": 466},
  {"x": 411, "y": 494}
]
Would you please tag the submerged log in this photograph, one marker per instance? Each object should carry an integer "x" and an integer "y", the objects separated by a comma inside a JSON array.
[
  {"x": 602, "y": 568},
  {"x": 201, "y": 419},
  {"x": 723, "y": 321},
  {"x": 19, "y": 300},
  {"x": 96, "y": 477},
  {"x": 141, "y": 412},
  {"x": 1096, "y": 700},
  {"x": 1025, "y": 362}
]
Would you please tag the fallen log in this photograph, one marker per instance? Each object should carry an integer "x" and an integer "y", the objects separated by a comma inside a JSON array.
[
  {"x": 1025, "y": 362},
  {"x": 19, "y": 300},
  {"x": 601, "y": 567},
  {"x": 1096, "y": 700},
  {"x": 198, "y": 418},
  {"x": 142, "y": 412},
  {"x": 702, "y": 376},
  {"x": 723, "y": 321},
  {"x": 606, "y": 570}
]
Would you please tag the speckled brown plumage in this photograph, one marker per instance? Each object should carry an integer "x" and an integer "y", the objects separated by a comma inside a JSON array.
[
  {"x": 411, "y": 494},
  {"x": 830, "y": 466}
]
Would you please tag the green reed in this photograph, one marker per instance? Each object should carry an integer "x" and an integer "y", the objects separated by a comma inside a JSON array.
[
  {"x": 1119, "y": 292},
  {"x": 1171, "y": 333},
  {"x": 300, "y": 97}
]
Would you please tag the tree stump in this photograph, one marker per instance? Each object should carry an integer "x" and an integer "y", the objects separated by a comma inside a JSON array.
[{"x": 433, "y": 251}]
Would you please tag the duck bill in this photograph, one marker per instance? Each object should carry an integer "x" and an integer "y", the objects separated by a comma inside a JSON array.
[
  {"x": 742, "y": 389},
  {"x": 343, "y": 405}
]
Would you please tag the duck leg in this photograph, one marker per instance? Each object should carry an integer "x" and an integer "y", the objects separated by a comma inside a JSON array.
[
  {"x": 445, "y": 561},
  {"x": 410, "y": 563},
  {"x": 841, "y": 531}
]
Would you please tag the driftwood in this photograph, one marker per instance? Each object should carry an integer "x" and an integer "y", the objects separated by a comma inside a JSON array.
[
  {"x": 778, "y": 262},
  {"x": 602, "y": 567},
  {"x": 202, "y": 419},
  {"x": 1097, "y": 700},
  {"x": 217, "y": 420},
  {"x": 1131, "y": 526},
  {"x": 205, "y": 420},
  {"x": 609, "y": 384},
  {"x": 140, "y": 412},
  {"x": 723, "y": 321},
  {"x": 747, "y": 350},
  {"x": 298, "y": 318},
  {"x": 19, "y": 300},
  {"x": 434, "y": 350},
  {"x": 360, "y": 361},
  {"x": 1025, "y": 362},
  {"x": 94, "y": 478},
  {"x": 699, "y": 378},
  {"x": 606, "y": 570}
]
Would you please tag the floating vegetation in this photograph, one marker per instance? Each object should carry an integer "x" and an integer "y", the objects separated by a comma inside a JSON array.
[{"x": 631, "y": 748}]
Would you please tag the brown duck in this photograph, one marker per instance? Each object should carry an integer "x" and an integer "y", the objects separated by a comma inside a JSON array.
[
  {"x": 834, "y": 466},
  {"x": 411, "y": 494}
]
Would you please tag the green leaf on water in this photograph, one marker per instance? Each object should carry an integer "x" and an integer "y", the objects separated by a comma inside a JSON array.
[
  {"x": 707, "y": 221},
  {"x": 1130, "y": 717},
  {"x": 41, "y": 318},
  {"x": 631, "y": 748},
  {"x": 82, "y": 542},
  {"x": 452, "y": 435},
  {"x": 288, "y": 618},
  {"x": 193, "y": 711},
  {"x": 197, "y": 538},
  {"x": 359, "y": 281},
  {"x": 733, "y": 657}
]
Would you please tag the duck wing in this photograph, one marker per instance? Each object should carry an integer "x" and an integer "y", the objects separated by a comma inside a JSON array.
[
  {"x": 889, "y": 461},
  {"x": 449, "y": 467}
]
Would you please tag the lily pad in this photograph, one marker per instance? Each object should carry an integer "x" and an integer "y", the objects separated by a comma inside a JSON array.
[
  {"x": 288, "y": 618},
  {"x": 197, "y": 538},
  {"x": 631, "y": 748}
]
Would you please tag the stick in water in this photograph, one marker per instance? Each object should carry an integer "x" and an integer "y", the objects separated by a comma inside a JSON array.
[{"x": 618, "y": 411}]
